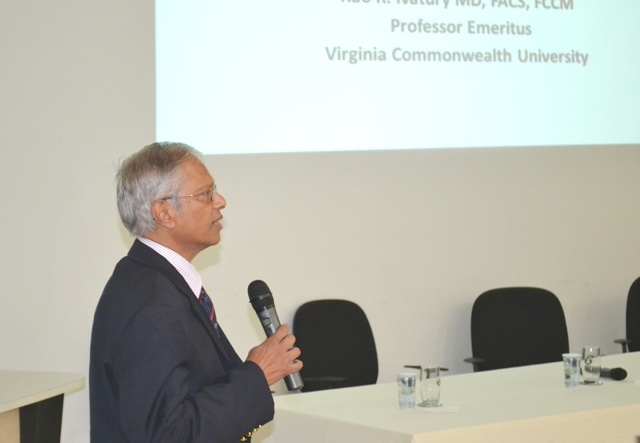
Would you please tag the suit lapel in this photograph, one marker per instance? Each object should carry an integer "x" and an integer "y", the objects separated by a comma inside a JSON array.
[{"x": 148, "y": 257}]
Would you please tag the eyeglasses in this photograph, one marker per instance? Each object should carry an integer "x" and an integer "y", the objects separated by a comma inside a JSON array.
[{"x": 211, "y": 194}]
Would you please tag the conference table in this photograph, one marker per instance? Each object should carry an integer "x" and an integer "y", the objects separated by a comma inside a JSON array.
[{"x": 524, "y": 404}]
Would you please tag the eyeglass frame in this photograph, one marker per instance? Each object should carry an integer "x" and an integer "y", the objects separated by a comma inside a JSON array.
[{"x": 211, "y": 193}]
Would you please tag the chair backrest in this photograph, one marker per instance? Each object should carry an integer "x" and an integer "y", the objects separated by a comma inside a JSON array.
[
  {"x": 633, "y": 316},
  {"x": 517, "y": 326},
  {"x": 336, "y": 343}
]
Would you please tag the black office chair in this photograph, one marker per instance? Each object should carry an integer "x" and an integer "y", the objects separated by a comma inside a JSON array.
[
  {"x": 336, "y": 343},
  {"x": 517, "y": 326},
  {"x": 632, "y": 342}
]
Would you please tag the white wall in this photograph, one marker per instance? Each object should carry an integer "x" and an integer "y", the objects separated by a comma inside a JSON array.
[
  {"x": 76, "y": 94},
  {"x": 412, "y": 236}
]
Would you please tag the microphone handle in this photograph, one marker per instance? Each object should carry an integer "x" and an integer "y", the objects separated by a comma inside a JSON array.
[{"x": 271, "y": 322}]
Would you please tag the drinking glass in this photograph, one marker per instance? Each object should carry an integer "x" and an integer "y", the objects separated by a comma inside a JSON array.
[
  {"x": 406, "y": 390},
  {"x": 430, "y": 386},
  {"x": 591, "y": 365}
]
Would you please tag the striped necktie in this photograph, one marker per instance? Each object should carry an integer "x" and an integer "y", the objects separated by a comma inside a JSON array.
[{"x": 207, "y": 304}]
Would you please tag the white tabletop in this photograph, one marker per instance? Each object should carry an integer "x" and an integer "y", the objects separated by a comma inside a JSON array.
[
  {"x": 530, "y": 403},
  {"x": 21, "y": 388}
]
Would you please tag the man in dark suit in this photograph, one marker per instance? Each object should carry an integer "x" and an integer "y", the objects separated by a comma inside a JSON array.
[{"x": 162, "y": 369}]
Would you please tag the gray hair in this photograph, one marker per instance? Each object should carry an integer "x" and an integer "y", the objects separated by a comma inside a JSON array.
[{"x": 147, "y": 176}]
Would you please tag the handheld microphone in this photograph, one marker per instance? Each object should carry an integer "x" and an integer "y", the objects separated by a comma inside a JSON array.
[
  {"x": 613, "y": 373},
  {"x": 262, "y": 301}
]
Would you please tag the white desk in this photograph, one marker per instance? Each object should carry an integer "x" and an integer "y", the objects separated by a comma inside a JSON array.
[
  {"x": 31, "y": 404},
  {"x": 527, "y": 404}
]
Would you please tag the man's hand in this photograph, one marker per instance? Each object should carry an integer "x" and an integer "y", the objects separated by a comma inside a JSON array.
[{"x": 276, "y": 356}]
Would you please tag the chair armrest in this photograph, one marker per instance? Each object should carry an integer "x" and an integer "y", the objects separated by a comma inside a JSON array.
[
  {"x": 624, "y": 342},
  {"x": 323, "y": 382},
  {"x": 475, "y": 361}
]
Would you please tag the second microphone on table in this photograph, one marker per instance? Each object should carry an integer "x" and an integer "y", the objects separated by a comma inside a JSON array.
[{"x": 613, "y": 373}]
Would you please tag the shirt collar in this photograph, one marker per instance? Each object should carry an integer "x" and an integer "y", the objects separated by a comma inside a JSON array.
[{"x": 182, "y": 265}]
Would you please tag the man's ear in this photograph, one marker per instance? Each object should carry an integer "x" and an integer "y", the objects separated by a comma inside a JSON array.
[{"x": 163, "y": 213}]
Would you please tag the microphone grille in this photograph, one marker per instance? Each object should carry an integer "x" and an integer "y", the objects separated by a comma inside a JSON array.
[
  {"x": 257, "y": 290},
  {"x": 618, "y": 374}
]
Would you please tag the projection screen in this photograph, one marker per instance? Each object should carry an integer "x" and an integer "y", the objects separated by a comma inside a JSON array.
[{"x": 325, "y": 75}]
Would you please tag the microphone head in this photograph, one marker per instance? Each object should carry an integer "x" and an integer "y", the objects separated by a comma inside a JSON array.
[
  {"x": 617, "y": 374},
  {"x": 259, "y": 295}
]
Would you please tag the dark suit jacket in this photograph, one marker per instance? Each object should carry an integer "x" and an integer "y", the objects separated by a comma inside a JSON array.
[{"x": 158, "y": 371}]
